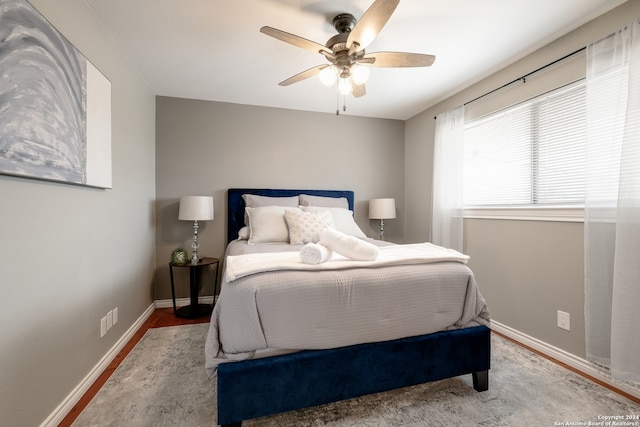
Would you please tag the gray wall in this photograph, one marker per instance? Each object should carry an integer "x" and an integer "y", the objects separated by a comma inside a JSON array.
[
  {"x": 527, "y": 270},
  {"x": 69, "y": 254},
  {"x": 204, "y": 148}
]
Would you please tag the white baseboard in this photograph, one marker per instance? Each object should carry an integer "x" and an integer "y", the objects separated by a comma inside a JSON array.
[
  {"x": 76, "y": 394},
  {"x": 567, "y": 358},
  {"x": 180, "y": 302}
]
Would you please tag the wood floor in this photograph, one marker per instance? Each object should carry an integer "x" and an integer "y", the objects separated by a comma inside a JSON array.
[{"x": 161, "y": 317}]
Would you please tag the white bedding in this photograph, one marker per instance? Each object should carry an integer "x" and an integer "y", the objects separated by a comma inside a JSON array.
[
  {"x": 296, "y": 309},
  {"x": 421, "y": 253}
]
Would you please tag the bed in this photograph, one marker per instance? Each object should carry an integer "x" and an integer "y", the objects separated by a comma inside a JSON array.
[{"x": 282, "y": 340}]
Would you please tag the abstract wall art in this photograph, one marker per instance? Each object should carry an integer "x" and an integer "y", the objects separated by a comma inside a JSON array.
[{"x": 55, "y": 106}]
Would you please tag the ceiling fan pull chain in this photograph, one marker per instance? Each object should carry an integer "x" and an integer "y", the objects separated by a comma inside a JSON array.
[{"x": 344, "y": 102}]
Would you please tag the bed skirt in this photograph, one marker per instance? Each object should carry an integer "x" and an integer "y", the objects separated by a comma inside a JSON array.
[{"x": 255, "y": 388}]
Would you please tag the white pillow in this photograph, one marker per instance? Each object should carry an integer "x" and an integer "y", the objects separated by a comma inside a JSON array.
[
  {"x": 306, "y": 227},
  {"x": 327, "y": 202},
  {"x": 267, "y": 225},
  {"x": 256, "y": 201},
  {"x": 342, "y": 219},
  {"x": 244, "y": 233}
]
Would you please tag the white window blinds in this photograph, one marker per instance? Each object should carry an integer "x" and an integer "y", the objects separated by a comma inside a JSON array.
[{"x": 532, "y": 154}]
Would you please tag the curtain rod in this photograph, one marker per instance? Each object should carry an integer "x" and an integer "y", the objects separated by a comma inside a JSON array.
[{"x": 524, "y": 77}]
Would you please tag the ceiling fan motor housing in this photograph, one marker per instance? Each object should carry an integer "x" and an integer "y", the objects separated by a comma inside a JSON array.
[
  {"x": 338, "y": 42},
  {"x": 343, "y": 24}
]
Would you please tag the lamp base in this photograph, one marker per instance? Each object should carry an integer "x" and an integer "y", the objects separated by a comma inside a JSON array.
[{"x": 195, "y": 245}]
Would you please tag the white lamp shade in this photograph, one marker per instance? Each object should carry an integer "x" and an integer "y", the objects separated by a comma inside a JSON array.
[
  {"x": 382, "y": 208},
  {"x": 196, "y": 208}
]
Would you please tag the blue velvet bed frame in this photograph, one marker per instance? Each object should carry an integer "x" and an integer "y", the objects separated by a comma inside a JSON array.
[{"x": 255, "y": 388}]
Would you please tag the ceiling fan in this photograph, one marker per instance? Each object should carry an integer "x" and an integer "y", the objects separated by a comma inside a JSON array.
[{"x": 348, "y": 62}]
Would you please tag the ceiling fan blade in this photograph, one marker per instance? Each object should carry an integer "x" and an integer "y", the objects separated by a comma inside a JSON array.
[
  {"x": 303, "y": 75},
  {"x": 295, "y": 40},
  {"x": 358, "y": 90},
  {"x": 370, "y": 24},
  {"x": 400, "y": 59}
]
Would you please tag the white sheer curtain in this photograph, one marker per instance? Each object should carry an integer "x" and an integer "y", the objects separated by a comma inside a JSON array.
[
  {"x": 612, "y": 205},
  {"x": 448, "y": 158}
]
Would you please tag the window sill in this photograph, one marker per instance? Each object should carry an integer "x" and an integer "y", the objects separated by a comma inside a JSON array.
[{"x": 555, "y": 214}]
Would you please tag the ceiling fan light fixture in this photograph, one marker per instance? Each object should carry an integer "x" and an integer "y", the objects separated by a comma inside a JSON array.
[
  {"x": 360, "y": 74},
  {"x": 328, "y": 75},
  {"x": 344, "y": 85}
]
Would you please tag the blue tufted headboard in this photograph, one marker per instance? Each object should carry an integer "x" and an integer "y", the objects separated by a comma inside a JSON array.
[{"x": 235, "y": 203}]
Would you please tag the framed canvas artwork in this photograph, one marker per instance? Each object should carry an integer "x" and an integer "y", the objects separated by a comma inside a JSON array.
[{"x": 55, "y": 106}]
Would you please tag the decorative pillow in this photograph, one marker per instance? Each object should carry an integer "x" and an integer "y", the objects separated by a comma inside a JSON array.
[
  {"x": 306, "y": 227},
  {"x": 255, "y": 201},
  {"x": 267, "y": 225},
  {"x": 342, "y": 219},
  {"x": 327, "y": 202},
  {"x": 244, "y": 233}
]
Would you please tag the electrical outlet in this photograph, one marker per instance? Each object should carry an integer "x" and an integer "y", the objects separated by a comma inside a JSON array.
[
  {"x": 564, "y": 320},
  {"x": 115, "y": 316},
  {"x": 109, "y": 320},
  {"x": 103, "y": 326}
]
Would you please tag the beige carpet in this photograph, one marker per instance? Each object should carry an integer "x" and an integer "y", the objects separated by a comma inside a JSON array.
[{"x": 162, "y": 382}]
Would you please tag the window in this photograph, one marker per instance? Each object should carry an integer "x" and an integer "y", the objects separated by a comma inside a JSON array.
[{"x": 531, "y": 155}]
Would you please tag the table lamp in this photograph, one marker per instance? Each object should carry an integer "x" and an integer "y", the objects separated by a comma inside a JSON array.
[
  {"x": 382, "y": 209},
  {"x": 195, "y": 208}
]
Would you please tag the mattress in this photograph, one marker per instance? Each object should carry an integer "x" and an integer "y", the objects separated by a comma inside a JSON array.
[{"x": 291, "y": 310}]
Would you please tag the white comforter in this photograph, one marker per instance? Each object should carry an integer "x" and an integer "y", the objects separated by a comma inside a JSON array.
[{"x": 292, "y": 307}]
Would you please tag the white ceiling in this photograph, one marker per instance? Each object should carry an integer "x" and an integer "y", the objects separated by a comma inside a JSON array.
[{"x": 213, "y": 50}]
